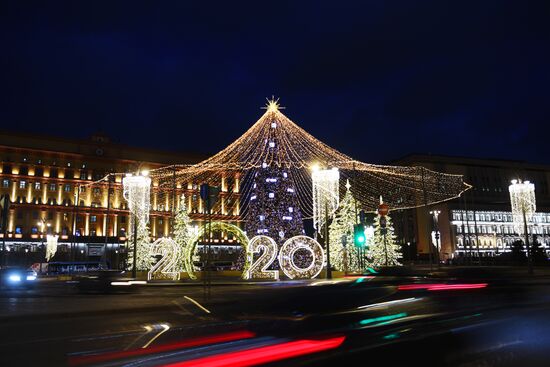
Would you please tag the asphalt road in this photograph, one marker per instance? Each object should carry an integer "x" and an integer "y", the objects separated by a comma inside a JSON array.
[{"x": 53, "y": 325}]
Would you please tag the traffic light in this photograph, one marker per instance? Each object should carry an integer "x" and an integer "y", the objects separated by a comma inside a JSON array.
[{"x": 359, "y": 235}]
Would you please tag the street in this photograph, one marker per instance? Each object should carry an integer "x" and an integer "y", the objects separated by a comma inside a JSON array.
[{"x": 54, "y": 325}]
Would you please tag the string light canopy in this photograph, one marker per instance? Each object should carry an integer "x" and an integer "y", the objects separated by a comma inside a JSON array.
[{"x": 276, "y": 141}]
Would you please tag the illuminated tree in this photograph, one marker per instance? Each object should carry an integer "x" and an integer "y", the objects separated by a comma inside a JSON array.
[
  {"x": 342, "y": 226},
  {"x": 182, "y": 231},
  {"x": 384, "y": 251},
  {"x": 144, "y": 259}
]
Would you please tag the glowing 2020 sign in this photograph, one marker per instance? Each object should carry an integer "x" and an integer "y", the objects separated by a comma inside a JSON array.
[{"x": 258, "y": 268}]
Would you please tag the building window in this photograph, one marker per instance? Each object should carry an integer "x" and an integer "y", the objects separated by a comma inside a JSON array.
[
  {"x": 5, "y": 183},
  {"x": 93, "y": 218},
  {"x": 83, "y": 175},
  {"x": 122, "y": 219},
  {"x": 53, "y": 187},
  {"x": 22, "y": 184},
  {"x": 34, "y": 230},
  {"x": 18, "y": 230},
  {"x": 37, "y": 185},
  {"x": 67, "y": 187},
  {"x": 39, "y": 171},
  {"x": 160, "y": 220},
  {"x": 97, "y": 191}
]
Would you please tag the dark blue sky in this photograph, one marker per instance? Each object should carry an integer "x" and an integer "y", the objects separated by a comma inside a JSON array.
[{"x": 374, "y": 79}]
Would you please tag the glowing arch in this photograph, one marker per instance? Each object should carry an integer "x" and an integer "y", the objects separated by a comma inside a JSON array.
[{"x": 189, "y": 251}]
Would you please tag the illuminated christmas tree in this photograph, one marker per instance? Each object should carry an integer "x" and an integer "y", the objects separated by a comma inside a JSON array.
[
  {"x": 340, "y": 228},
  {"x": 144, "y": 259},
  {"x": 273, "y": 208},
  {"x": 182, "y": 231},
  {"x": 384, "y": 251}
]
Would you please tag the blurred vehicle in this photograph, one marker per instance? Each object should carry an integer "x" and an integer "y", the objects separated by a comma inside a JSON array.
[
  {"x": 106, "y": 281},
  {"x": 17, "y": 277},
  {"x": 64, "y": 267}
]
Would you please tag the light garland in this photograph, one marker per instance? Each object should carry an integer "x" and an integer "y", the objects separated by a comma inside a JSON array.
[
  {"x": 166, "y": 267},
  {"x": 296, "y": 150},
  {"x": 286, "y": 258},
  {"x": 325, "y": 195},
  {"x": 258, "y": 268}
]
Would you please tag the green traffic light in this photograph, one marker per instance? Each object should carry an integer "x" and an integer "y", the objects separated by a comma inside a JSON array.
[{"x": 361, "y": 239}]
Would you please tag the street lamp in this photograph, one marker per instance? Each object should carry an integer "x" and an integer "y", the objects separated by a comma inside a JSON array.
[
  {"x": 523, "y": 201},
  {"x": 435, "y": 214}
]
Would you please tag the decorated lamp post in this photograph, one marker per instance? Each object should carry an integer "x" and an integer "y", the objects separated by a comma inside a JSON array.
[
  {"x": 325, "y": 202},
  {"x": 137, "y": 194},
  {"x": 522, "y": 198}
]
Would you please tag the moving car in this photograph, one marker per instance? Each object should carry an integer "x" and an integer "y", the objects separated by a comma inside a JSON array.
[
  {"x": 17, "y": 277},
  {"x": 106, "y": 281}
]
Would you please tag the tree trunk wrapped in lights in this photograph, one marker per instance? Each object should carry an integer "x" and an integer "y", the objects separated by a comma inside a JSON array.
[
  {"x": 344, "y": 258},
  {"x": 384, "y": 251}
]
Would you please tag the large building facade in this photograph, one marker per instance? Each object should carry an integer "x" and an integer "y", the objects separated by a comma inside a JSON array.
[
  {"x": 479, "y": 223},
  {"x": 54, "y": 188}
]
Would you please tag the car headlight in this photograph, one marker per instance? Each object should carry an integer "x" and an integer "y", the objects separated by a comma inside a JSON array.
[
  {"x": 14, "y": 278},
  {"x": 31, "y": 277}
]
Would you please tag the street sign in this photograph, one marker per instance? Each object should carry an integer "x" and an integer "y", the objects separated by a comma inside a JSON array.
[{"x": 383, "y": 209}]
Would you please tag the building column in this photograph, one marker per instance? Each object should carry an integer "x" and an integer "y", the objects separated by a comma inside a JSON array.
[{"x": 87, "y": 225}]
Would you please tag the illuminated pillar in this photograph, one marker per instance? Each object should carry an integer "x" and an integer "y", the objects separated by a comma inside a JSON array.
[
  {"x": 29, "y": 192},
  {"x": 166, "y": 226},
  {"x": 58, "y": 222},
  {"x": 155, "y": 199},
  {"x": 87, "y": 225},
  {"x": 13, "y": 190},
  {"x": 237, "y": 183},
  {"x": 115, "y": 224},
  {"x": 154, "y": 225},
  {"x": 105, "y": 225},
  {"x": 59, "y": 193},
  {"x": 10, "y": 220},
  {"x": 223, "y": 205},
  {"x": 44, "y": 192}
]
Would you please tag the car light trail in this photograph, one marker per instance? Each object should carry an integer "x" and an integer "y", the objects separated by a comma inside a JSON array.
[
  {"x": 388, "y": 303},
  {"x": 196, "y": 342},
  {"x": 197, "y": 304},
  {"x": 261, "y": 355},
  {"x": 383, "y": 318},
  {"x": 441, "y": 286},
  {"x": 164, "y": 327}
]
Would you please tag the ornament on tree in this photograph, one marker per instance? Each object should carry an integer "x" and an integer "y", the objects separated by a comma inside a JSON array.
[
  {"x": 344, "y": 255},
  {"x": 384, "y": 250}
]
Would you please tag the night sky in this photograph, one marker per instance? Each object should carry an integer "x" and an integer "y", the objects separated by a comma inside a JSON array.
[{"x": 374, "y": 79}]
